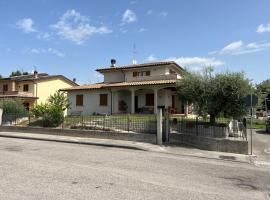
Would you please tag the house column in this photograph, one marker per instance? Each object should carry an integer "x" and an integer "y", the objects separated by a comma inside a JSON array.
[
  {"x": 13, "y": 86},
  {"x": 186, "y": 109},
  {"x": 132, "y": 101},
  {"x": 115, "y": 102},
  {"x": 155, "y": 100}
]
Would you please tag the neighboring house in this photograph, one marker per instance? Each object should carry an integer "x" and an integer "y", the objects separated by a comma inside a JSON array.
[
  {"x": 137, "y": 88},
  {"x": 33, "y": 88}
]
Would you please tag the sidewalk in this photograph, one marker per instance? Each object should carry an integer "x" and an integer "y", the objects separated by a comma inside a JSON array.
[{"x": 167, "y": 149}]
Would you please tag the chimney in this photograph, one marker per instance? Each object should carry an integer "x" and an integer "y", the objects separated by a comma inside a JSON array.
[
  {"x": 74, "y": 80},
  {"x": 35, "y": 74},
  {"x": 113, "y": 62}
]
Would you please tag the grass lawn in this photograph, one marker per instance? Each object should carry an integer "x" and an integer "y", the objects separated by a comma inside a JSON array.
[
  {"x": 256, "y": 124},
  {"x": 118, "y": 118}
]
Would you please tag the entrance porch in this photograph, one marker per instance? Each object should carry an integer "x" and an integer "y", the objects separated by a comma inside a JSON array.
[{"x": 146, "y": 100}]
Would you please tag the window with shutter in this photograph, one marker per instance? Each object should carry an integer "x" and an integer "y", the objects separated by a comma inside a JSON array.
[
  {"x": 79, "y": 100},
  {"x": 149, "y": 99},
  {"x": 5, "y": 87},
  {"x": 25, "y": 87},
  {"x": 103, "y": 100}
]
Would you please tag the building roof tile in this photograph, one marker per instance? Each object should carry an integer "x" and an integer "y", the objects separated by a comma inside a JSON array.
[{"x": 120, "y": 84}]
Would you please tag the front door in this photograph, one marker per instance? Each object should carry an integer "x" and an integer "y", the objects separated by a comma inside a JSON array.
[
  {"x": 173, "y": 101},
  {"x": 136, "y": 104}
]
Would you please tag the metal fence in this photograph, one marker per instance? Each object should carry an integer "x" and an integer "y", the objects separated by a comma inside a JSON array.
[
  {"x": 15, "y": 118},
  {"x": 115, "y": 123},
  {"x": 222, "y": 128}
]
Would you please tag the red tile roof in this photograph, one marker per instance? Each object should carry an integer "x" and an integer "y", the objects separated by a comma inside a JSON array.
[
  {"x": 121, "y": 84},
  {"x": 124, "y": 67}
]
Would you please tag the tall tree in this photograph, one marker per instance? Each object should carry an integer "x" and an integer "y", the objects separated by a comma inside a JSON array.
[
  {"x": 18, "y": 73},
  {"x": 214, "y": 94},
  {"x": 263, "y": 92}
]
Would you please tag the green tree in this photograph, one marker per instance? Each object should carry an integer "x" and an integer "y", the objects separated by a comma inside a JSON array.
[
  {"x": 59, "y": 99},
  {"x": 52, "y": 112},
  {"x": 215, "y": 94},
  {"x": 263, "y": 91},
  {"x": 18, "y": 73},
  {"x": 12, "y": 107}
]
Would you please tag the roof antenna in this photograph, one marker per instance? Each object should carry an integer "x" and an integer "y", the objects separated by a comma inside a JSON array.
[{"x": 134, "y": 53}]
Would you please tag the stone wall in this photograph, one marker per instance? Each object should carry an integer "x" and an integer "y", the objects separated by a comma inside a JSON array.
[{"x": 148, "y": 138}]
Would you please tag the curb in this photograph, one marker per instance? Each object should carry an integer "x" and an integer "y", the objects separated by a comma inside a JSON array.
[
  {"x": 122, "y": 146},
  {"x": 76, "y": 142}
]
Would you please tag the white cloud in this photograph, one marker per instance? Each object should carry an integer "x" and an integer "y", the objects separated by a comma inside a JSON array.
[
  {"x": 142, "y": 30},
  {"x": 46, "y": 51},
  {"x": 164, "y": 13},
  {"x": 263, "y": 28},
  {"x": 196, "y": 63},
  {"x": 238, "y": 47},
  {"x": 44, "y": 36},
  {"x": 75, "y": 27},
  {"x": 128, "y": 17},
  {"x": 26, "y": 25},
  {"x": 151, "y": 58},
  {"x": 149, "y": 12}
]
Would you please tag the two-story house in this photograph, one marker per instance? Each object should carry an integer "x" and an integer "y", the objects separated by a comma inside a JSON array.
[
  {"x": 137, "y": 88},
  {"x": 32, "y": 88}
]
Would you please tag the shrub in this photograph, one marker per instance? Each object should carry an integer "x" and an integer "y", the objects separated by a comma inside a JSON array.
[
  {"x": 12, "y": 107},
  {"x": 52, "y": 115}
]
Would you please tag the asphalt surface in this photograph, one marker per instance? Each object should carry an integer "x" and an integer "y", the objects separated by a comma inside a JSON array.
[
  {"x": 261, "y": 147},
  {"x": 31, "y": 170}
]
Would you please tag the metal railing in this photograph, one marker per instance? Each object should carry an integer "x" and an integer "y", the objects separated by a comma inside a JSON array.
[
  {"x": 196, "y": 126},
  {"x": 114, "y": 123}
]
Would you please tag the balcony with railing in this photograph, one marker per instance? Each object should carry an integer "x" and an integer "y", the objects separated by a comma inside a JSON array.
[{"x": 16, "y": 94}]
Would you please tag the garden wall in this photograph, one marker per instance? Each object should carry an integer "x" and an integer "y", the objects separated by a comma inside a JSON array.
[{"x": 211, "y": 144}]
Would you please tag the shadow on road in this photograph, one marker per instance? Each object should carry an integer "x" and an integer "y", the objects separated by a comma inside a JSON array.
[{"x": 262, "y": 132}]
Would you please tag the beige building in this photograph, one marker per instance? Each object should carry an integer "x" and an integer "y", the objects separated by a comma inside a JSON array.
[
  {"x": 138, "y": 88},
  {"x": 33, "y": 88}
]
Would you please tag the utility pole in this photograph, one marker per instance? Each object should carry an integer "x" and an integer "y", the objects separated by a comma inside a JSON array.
[{"x": 251, "y": 114}]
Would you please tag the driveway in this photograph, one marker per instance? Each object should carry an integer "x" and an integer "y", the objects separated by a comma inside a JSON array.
[{"x": 261, "y": 147}]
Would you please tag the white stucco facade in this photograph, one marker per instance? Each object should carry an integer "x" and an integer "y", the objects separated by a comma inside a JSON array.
[{"x": 131, "y": 96}]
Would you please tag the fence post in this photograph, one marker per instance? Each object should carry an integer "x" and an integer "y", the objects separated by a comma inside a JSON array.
[
  {"x": 128, "y": 122},
  {"x": 197, "y": 131},
  {"x": 1, "y": 113},
  {"x": 159, "y": 126},
  {"x": 104, "y": 116}
]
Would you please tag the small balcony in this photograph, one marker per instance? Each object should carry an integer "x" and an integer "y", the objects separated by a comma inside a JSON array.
[{"x": 17, "y": 93}]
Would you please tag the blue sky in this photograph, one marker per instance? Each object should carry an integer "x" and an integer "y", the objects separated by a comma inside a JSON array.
[{"x": 75, "y": 37}]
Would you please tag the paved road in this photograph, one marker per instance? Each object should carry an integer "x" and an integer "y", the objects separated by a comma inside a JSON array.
[
  {"x": 31, "y": 170},
  {"x": 261, "y": 146}
]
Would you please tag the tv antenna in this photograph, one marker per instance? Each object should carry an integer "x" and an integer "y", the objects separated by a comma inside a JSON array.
[{"x": 134, "y": 53}]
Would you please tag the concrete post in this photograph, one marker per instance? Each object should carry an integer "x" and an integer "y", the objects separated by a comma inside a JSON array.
[
  {"x": 159, "y": 126},
  {"x": 167, "y": 125},
  {"x": 1, "y": 113},
  {"x": 132, "y": 101},
  {"x": 155, "y": 100}
]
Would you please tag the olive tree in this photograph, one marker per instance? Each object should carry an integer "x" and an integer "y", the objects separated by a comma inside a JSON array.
[{"x": 215, "y": 94}]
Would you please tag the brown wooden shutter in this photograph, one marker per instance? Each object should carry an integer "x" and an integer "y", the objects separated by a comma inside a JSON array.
[
  {"x": 134, "y": 74},
  {"x": 79, "y": 100},
  {"x": 103, "y": 100},
  {"x": 149, "y": 99},
  {"x": 147, "y": 73}
]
